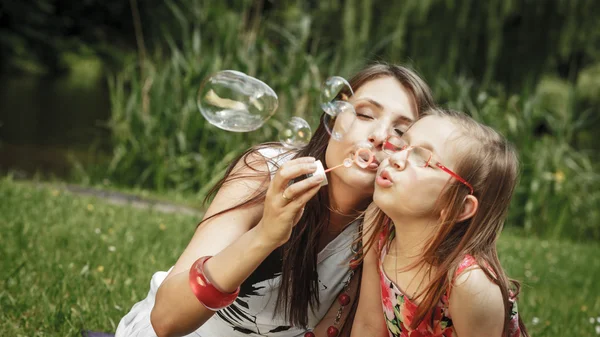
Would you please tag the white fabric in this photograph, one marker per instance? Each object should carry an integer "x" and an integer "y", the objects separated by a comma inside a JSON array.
[{"x": 252, "y": 314}]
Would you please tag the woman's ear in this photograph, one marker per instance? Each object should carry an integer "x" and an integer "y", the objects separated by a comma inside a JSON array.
[{"x": 469, "y": 208}]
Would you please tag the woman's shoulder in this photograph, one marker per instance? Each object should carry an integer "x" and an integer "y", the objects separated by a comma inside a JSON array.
[
  {"x": 273, "y": 154},
  {"x": 274, "y": 151}
]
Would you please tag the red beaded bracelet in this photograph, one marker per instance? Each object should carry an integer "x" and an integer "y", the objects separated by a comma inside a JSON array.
[{"x": 211, "y": 297}]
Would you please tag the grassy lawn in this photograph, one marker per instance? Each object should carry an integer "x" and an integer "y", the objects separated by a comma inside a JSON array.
[{"x": 71, "y": 263}]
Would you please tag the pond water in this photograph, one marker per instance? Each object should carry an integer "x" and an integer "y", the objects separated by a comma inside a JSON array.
[{"x": 44, "y": 121}]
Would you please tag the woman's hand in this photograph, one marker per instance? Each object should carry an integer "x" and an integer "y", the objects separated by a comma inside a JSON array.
[{"x": 284, "y": 204}]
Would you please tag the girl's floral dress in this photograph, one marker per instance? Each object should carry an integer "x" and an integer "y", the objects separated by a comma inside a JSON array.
[{"x": 399, "y": 310}]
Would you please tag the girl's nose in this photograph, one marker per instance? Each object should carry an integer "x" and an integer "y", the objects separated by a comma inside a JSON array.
[{"x": 398, "y": 159}]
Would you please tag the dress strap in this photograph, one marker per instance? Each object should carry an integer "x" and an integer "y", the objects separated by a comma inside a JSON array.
[{"x": 467, "y": 262}]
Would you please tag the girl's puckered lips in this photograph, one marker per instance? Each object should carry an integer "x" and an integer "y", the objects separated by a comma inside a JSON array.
[
  {"x": 384, "y": 179},
  {"x": 386, "y": 175}
]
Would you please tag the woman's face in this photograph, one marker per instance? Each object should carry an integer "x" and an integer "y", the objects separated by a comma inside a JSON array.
[
  {"x": 383, "y": 107},
  {"x": 405, "y": 189}
]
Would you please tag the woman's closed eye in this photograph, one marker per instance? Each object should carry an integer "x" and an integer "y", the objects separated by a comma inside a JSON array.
[
  {"x": 364, "y": 113},
  {"x": 363, "y": 116}
]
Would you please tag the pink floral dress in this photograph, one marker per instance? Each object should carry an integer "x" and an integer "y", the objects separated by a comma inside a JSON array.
[{"x": 399, "y": 310}]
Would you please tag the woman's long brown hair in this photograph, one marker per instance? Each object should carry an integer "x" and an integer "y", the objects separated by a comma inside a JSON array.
[
  {"x": 490, "y": 164},
  {"x": 299, "y": 287}
]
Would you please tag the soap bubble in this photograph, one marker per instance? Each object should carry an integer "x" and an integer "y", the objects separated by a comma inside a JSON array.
[
  {"x": 296, "y": 133},
  {"x": 363, "y": 157},
  {"x": 234, "y": 101},
  {"x": 341, "y": 119},
  {"x": 339, "y": 113},
  {"x": 330, "y": 90}
]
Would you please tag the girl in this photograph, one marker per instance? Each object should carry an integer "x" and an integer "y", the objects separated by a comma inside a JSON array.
[
  {"x": 442, "y": 196},
  {"x": 270, "y": 258}
]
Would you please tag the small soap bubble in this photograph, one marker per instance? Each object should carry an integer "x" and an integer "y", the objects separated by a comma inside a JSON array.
[{"x": 296, "y": 133}]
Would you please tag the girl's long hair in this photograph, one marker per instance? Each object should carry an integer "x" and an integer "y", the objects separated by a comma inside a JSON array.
[
  {"x": 299, "y": 287},
  {"x": 490, "y": 164}
]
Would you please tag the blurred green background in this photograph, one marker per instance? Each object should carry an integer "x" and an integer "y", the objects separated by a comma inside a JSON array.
[{"x": 102, "y": 94}]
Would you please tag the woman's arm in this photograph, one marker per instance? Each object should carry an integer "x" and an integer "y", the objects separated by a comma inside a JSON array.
[
  {"x": 476, "y": 305},
  {"x": 238, "y": 240}
]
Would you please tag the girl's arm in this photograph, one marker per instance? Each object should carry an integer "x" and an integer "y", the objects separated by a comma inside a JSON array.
[
  {"x": 369, "y": 319},
  {"x": 476, "y": 305},
  {"x": 238, "y": 240}
]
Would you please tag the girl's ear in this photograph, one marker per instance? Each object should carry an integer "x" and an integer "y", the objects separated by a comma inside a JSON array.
[{"x": 469, "y": 208}]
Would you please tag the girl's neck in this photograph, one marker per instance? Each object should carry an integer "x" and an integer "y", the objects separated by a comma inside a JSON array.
[{"x": 411, "y": 239}]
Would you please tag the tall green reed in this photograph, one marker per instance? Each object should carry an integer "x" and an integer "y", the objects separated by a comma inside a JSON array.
[
  {"x": 559, "y": 190},
  {"x": 161, "y": 141}
]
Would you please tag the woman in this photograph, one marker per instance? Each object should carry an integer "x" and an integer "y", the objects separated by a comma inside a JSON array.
[
  {"x": 442, "y": 196},
  {"x": 284, "y": 246}
]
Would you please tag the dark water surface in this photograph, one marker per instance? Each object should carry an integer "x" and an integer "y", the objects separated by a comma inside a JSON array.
[{"x": 45, "y": 120}]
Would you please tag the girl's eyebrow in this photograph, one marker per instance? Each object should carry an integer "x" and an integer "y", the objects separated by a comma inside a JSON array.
[
  {"x": 379, "y": 106},
  {"x": 424, "y": 144},
  {"x": 428, "y": 146}
]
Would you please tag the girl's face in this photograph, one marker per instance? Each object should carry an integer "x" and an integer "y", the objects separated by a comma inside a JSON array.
[
  {"x": 406, "y": 189},
  {"x": 383, "y": 107}
]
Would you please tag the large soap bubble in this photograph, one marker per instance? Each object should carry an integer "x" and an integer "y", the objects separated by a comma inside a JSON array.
[
  {"x": 330, "y": 90},
  {"x": 339, "y": 113},
  {"x": 341, "y": 119},
  {"x": 234, "y": 101}
]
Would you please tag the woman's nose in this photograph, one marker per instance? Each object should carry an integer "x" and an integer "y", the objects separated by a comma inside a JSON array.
[{"x": 378, "y": 136}]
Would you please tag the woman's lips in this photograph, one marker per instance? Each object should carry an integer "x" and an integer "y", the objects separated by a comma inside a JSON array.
[
  {"x": 364, "y": 159},
  {"x": 374, "y": 165}
]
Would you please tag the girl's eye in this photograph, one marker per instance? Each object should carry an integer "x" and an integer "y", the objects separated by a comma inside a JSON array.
[
  {"x": 399, "y": 132},
  {"x": 430, "y": 165},
  {"x": 390, "y": 147}
]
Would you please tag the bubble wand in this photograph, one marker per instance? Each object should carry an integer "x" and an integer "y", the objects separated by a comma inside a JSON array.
[{"x": 366, "y": 154}]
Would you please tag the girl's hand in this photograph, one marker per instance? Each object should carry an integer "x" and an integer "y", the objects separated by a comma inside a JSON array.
[{"x": 284, "y": 204}]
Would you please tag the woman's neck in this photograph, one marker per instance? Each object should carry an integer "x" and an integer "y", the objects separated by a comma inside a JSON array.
[{"x": 345, "y": 204}]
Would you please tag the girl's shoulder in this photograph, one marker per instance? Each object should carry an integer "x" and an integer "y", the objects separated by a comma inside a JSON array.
[
  {"x": 470, "y": 274},
  {"x": 477, "y": 299},
  {"x": 468, "y": 262}
]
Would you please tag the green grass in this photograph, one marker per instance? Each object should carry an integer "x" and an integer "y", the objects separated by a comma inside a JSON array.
[{"x": 71, "y": 263}]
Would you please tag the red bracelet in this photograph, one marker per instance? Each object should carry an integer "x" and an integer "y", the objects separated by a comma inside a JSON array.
[{"x": 211, "y": 297}]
